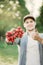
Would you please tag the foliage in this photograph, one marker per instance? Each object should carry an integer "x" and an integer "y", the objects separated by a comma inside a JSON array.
[
  {"x": 40, "y": 20},
  {"x": 11, "y": 14}
]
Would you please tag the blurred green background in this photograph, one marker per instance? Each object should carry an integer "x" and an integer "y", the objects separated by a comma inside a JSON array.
[{"x": 11, "y": 16}]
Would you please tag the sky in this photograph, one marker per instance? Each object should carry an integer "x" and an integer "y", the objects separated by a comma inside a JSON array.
[{"x": 33, "y": 6}]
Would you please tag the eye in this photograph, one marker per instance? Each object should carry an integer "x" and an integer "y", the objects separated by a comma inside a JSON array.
[
  {"x": 31, "y": 21},
  {"x": 27, "y": 22}
]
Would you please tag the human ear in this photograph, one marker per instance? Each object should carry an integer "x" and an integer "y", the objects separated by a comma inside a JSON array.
[
  {"x": 24, "y": 25},
  {"x": 35, "y": 23}
]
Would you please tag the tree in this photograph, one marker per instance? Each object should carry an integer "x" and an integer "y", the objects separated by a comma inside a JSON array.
[
  {"x": 40, "y": 19},
  {"x": 41, "y": 15},
  {"x": 12, "y": 14}
]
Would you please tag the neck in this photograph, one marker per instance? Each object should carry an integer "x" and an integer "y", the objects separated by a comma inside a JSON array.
[{"x": 30, "y": 31}]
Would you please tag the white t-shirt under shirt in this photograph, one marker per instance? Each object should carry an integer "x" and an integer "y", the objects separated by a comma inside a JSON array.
[{"x": 32, "y": 55}]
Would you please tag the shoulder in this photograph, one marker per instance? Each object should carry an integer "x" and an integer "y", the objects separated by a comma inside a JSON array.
[{"x": 24, "y": 35}]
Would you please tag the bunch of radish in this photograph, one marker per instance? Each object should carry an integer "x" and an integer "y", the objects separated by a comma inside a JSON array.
[{"x": 12, "y": 35}]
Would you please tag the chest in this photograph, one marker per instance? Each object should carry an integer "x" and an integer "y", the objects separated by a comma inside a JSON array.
[{"x": 31, "y": 42}]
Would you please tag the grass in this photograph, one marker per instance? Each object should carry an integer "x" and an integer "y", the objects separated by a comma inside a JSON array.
[{"x": 8, "y": 53}]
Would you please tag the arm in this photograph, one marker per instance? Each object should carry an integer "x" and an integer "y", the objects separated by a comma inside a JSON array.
[{"x": 38, "y": 38}]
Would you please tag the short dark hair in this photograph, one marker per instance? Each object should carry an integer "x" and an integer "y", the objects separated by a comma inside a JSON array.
[{"x": 28, "y": 17}]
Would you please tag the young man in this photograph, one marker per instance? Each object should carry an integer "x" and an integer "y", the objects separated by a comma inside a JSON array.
[
  {"x": 30, "y": 25},
  {"x": 29, "y": 44}
]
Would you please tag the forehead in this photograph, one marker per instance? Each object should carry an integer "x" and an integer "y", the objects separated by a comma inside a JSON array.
[{"x": 29, "y": 19}]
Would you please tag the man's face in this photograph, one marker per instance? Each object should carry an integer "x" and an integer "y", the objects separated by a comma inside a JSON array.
[{"x": 29, "y": 24}]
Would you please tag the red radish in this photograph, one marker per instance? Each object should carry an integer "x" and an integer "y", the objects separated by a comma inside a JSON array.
[{"x": 12, "y": 35}]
